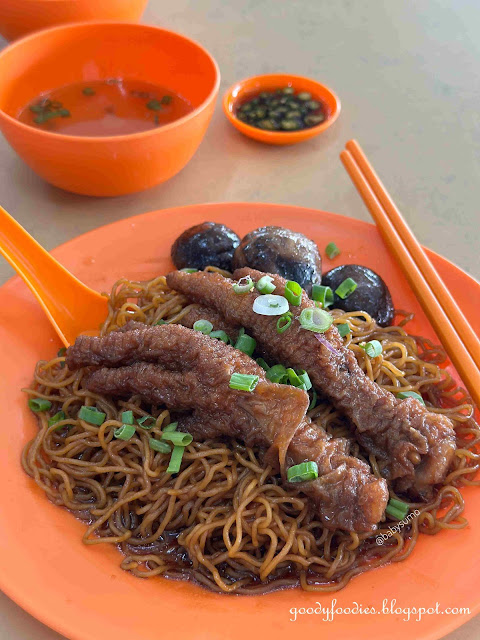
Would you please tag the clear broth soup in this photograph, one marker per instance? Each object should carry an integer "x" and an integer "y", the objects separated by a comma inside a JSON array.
[{"x": 112, "y": 107}]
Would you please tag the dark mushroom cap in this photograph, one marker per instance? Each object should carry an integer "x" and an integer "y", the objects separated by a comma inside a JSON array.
[
  {"x": 278, "y": 250},
  {"x": 371, "y": 295},
  {"x": 206, "y": 244}
]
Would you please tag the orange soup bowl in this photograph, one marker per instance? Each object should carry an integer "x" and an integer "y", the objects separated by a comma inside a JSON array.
[
  {"x": 19, "y": 17},
  {"x": 89, "y": 51},
  {"x": 248, "y": 88}
]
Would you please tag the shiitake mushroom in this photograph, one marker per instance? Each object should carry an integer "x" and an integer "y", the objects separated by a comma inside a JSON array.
[
  {"x": 206, "y": 244},
  {"x": 278, "y": 250},
  {"x": 371, "y": 295}
]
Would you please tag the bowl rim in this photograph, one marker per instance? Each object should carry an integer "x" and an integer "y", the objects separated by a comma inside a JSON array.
[
  {"x": 128, "y": 136},
  {"x": 272, "y": 135}
]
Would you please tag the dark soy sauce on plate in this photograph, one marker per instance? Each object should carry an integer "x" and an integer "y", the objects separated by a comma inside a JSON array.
[{"x": 111, "y": 107}]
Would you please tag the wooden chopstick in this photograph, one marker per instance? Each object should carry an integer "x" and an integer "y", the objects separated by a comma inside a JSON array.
[
  {"x": 453, "y": 311},
  {"x": 453, "y": 344}
]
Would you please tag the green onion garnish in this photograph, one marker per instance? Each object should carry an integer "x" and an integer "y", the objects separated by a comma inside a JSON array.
[
  {"x": 397, "y": 509},
  {"x": 261, "y": 362},
  {"x": 127, "y": 417},
  {"x": 322, "y": 294},
  {"x": 204, "y": 326},
  {"x": 303, "y": 377},
  {"x": 243, "y": 382},
  {"x": 372, "y": 348},
  {"x": 343, "y": 329},
  {"x": 60, "y": 415},
  {"x": 313, "y": 401},
  {"x": 246, "y": 344},
  {"x": 160, "y": 322},
  {"x": 346, "y": 288},
  {"x": 244, "y": 285},
  {"x": 158, "y": 445},
  {"x": 39, "y": 404},
  {"x": 166, "y": 100},
  {"x": 277, "y": 373},
  {"x": 410, "y": 394},
  {"x": 125, "y": 432},
  {"x": 88, "y": 91},
  {"x": 175, "y": 459},
  {"x": 188, "y": 270},
  {"x": 154, "y": 105},
  {"x": 332, "y": 250},
  {"x": 170, "y": 427},
  {"x": 146, "y": 422},
  {"x": 303, "y": 472},
  {"x": 220, "y": 335},
  {"x": 284, "y": 322},
  {"x": 270, "y": 305},
  {"x": 265, "y": 285},
  {"x": 177, "y": 438},
  {"x": 317, "y": 320},
  {"x": 61, "y": 352},
  {"x": 293, "y": 293},
  {"x": 92, "y": 415}
]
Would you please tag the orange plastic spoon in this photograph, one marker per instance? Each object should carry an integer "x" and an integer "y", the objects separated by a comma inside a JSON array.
[{"x": 70, "y": 305}]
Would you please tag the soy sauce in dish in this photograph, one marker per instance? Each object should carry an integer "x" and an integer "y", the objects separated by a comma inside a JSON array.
[
  {"x": 111, "y": 107},
  {"x": 284, "y": 109}
]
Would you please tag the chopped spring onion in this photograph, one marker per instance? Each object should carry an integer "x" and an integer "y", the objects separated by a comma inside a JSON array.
[
  {"x": 299, "y": 378},
  {"x": 284, "y": 322},
  {"x": 346, "y": 288},
  {"x": 317, "y": 320},
  {"x": 158, "y": 445},
  {"x": 265, "y": 285},
  {"x": 39, "y": 404},
  {"x": 277, "y": 373},
  {"x": 189, "y": 270},
  {"x": 261, "y": 362},
  {"x": 332, "y": 250},
  {"x": 243, "y": 382},
  {"x": 127, "y": 417},
  {"x": 170, "y": 427},
  {"x": 204, "y": 326},
  {"x": 372, "y": 348},
  {"x": 220, "y": 335},
  {"x": 313, "y": 401},
  {"x": 322, "y": 294},
  {"x": 177, "y": 438},
  {"x": 343, "y": 329},
  {"x": 175, "y": 459},
  {"x": 397, "y": 508},
  {"x": 246, "y": 344},
  {"x": 125, "y": 432},
  {"x": 293, "y": 293},
  {"x": 146, "y": 422},
  {"x": 270, "y": 305},
  {"x": 303, "y": 472},
  {"x": 410, "y": 394},
  {"x": 244, "y": 285},
  {"x": 160, "y": 322},
  {"x": 60, "y": 354},
  {"x": 92, "y": 415},
  {"x": 60, "y": 415}
]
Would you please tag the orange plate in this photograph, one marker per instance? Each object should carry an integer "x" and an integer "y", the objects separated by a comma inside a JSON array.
[
  {"x": 81, "y": 591},
  {"x": 19, "y": 17},
  {"x": 239, "y": 91},
  {"x": 86, "y": 51}
]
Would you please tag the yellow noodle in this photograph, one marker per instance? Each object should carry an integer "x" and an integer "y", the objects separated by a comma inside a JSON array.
[{"x": 225, "y": 521}]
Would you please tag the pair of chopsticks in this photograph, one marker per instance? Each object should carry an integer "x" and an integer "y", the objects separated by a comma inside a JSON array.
[{"x": 458, "y": 338}]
